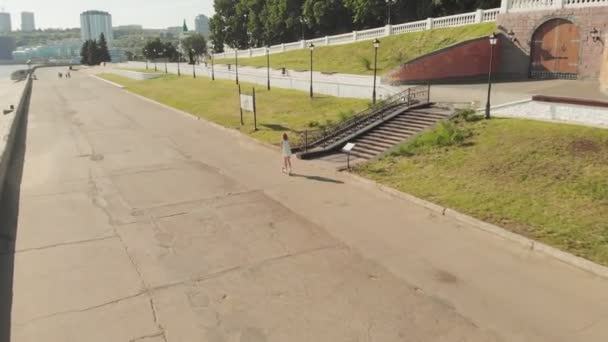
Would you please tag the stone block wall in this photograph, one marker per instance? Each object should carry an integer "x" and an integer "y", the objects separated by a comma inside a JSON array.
[
  {"x": 465, "y": 61},
  {"x": 524, "y": 24}
]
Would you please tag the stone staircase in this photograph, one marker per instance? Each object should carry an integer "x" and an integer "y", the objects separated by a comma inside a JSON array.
[{"x": 396, "y": 130}]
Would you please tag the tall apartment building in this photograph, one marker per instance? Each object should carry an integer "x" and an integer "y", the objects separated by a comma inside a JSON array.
[
  {"x": 201, "y": 24},
  {"x": 94, "y": 23},
  {"x": 5, "y": 22},
  {"x": 27, "y": 22}
]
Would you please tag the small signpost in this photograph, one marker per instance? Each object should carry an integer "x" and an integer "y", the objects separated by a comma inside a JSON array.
[
  {"x": 347, "y": 149},
  {"x": 247, "y": 102}
]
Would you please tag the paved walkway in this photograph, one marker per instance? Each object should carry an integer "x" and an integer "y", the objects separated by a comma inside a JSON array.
[
  {"x": 361, "y": 86},
  {"x": 135, "y": 222}
]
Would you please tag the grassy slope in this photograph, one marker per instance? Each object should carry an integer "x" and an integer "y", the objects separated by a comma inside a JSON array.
[
  {"x": 279, "y": 110},
  {"x": 543, "y": 180},
  {"x": 349, "y": 58}
]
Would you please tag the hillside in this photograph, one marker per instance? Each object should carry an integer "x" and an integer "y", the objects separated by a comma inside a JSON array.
[{"x": 358, "y": 58}]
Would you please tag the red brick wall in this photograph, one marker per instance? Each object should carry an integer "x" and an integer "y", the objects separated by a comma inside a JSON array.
[
  {"x": 466, "y": 60},
  {"x": 524, "y": 24}
]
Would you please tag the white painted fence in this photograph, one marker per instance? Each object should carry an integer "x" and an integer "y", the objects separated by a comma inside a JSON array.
[
  {"x": 536, "y": 5},
  {"x": 479, "y": 16}
]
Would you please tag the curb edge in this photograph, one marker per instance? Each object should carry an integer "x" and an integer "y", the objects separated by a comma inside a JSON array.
[{"x": 533, "y": 245}]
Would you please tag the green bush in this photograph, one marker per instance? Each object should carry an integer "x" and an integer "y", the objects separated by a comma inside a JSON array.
[
  {"x": 447, "y": 133},
  {"x": 468, "y": 115}
]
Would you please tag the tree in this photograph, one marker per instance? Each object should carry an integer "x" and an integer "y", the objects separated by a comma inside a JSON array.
[
  {"x": 196, "y": 42},
  {"x": 104, "y": 53},
  {"x": 89, "y": 53},
  {"x": 154, "y": 48},
  {"x": 326, "y": 17},
  {"x": 84, "y": 53}
]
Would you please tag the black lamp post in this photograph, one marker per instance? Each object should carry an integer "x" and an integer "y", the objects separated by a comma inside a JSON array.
[
  {"x": 193, "y": 64},
  {"x": 312, "y": 48},
  {"x": 146, "y": 57},
  {"x": 165, "y": 55},
  {"x": 268, "y": 66},
  {"x": 236, "y": 64},
  {"x": 155, "y": 57},
  {"x": 376, "y": 43},
  {"x": 493, "y": 40}
]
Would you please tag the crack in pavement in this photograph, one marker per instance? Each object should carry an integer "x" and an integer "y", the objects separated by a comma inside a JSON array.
[
  {"x": 61, "y": 313},
  {"x": 149, "y": 336},
  {"x": 61, "y": 244}
]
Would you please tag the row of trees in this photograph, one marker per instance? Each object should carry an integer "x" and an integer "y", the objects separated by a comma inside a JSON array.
[
  {"x": 193, "y": 45},
  {"x": 254, "y": 23},
  {"x": 94, "y": 52}
]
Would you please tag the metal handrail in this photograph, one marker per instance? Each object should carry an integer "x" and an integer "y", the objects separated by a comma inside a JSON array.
[{"x": 323, "y": 137}]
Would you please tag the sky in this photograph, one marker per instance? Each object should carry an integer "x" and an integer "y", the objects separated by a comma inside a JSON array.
[{"x": 148, "y": 13}]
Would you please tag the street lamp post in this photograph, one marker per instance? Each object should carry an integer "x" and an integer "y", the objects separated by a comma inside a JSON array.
[
  {"x": 376, "y": 43},
  {"x": 236, "y": 64},
  {"x": 155, "y": 57},
  {"x": 146, "y": 57},
  {"x": 312, "y": 48},
  {"x": 193, "y": 64},
  {"x": 493, "y": 40},
  {"x": 268, "y": 66},
  {"x": 165, "y": 55}
]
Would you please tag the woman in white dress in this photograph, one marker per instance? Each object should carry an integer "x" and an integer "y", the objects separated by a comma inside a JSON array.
[{"x": 286, "y": 148}]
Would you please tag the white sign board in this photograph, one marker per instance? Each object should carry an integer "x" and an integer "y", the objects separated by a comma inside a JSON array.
[
  {"x": 247, "y": 102},
  {"x": 348, "y": 147}
]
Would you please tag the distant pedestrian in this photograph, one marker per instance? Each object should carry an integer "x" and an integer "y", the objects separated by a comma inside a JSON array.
[{"x": 286, "y": 149}]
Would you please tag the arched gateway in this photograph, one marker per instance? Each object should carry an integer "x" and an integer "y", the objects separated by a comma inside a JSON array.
[{"x": 555, "y": 50}]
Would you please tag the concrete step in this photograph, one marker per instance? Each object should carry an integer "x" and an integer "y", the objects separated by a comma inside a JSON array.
[
  {"x": 371, "y": 138},
  {"x": 364, "y": 155},
  {"x": 371, "y": 149},
  {"x": 384, "y": 133},
  {"x": 370, "y": 142},
  {"x": 404, "y": 126},
  {"x": 385, "y": 142},
  {"x": 408, "y": 118}
]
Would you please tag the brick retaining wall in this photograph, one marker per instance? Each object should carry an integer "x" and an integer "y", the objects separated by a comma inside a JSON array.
[{"x": 524, "y": 24}]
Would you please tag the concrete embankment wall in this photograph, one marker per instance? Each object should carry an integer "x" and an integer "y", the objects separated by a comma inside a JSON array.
[{"x": 16, "y": 94}]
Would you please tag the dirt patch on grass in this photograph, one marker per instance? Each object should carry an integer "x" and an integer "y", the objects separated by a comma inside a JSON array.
[{"x": 584, "y": 146}]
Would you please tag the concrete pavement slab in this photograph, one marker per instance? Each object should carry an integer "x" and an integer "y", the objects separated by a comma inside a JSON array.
[
  {"x": 127, "y": 320},
  {"x": 323, "y": 295},
  {"x": 71, "y": 278},
  {"x": 159, "y": 185},
  {"x": 188, "y": 243},
  {"x": 56, "y": 214}
]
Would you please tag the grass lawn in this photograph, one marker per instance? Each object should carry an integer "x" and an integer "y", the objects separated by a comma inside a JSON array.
[
  {"x": 279, "y": 110},
  {"x": 142, "y": 70},
  {"x": 543, "y": 180},
  {"x": 358, "y": 58}
]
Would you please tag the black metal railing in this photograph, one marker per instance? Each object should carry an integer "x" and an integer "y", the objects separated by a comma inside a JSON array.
[{"x": 310, "y": 139}]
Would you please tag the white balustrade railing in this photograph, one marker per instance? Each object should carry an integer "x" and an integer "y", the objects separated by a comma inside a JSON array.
[
  {"x": 490, "y": 15},
  {"x": 415, "y": 26},
  {"x": 585, "y": 3},
  {"x": 479, "y": 16},
  {"x": 536, "y": 5}
]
